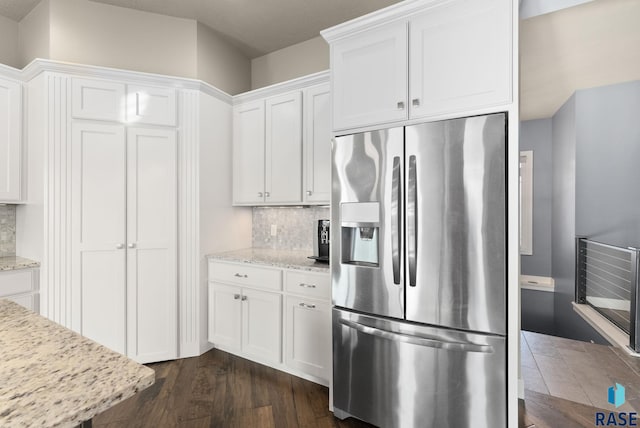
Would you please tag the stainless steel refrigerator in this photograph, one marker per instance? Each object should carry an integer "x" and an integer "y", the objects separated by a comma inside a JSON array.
[{"x": 418, "y": 274}]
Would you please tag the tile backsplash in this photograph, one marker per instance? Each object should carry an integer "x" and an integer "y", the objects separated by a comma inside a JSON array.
[
  {"x": 7, "y": 230},
  {"x": 295, "y": 227}
]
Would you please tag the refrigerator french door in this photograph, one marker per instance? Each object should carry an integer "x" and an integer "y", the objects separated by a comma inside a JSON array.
[{"x": 419, "y": 272}]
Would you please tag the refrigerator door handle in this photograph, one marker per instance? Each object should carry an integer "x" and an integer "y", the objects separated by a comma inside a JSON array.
[
  {"x": 412, "y": 220},
  {"x": 395, "y": 219},
  {"x": 423, "y": 340}
]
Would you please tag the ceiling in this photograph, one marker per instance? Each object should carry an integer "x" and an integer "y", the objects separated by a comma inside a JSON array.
[{"x": 256, "y": 27}]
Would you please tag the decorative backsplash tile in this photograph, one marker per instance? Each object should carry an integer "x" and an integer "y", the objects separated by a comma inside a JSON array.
[
  {"x": 295, "y": 227},
  {"x": 7, "y": 230}
]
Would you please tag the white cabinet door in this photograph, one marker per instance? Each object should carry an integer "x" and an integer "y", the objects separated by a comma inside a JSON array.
[
  {"x": 98, "y": 180},
  {"x": 369, "y": 72},
  {"x": 248, "y": 153},
  {"x": 225, "y": 316},
  {"x": 317, "y": 144},
  {"x": 10, "y": 140},
  {"x": 98, "y": 100},
  {"x": 151, "y": 105},
  {"x": 152, "y": 245},
  {"x": 308, "y": 336},
  {"x": 262, "y": 325},
  {"x": 283, "y": 145},
  {"x": 460, "y": 57}
]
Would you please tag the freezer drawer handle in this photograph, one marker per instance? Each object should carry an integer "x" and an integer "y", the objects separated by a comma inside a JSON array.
[
  {"x": 395, "y": 219},
  {"x": 431, "y": 342}
]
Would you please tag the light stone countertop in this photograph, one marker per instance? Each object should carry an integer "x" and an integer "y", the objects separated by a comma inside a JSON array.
[
  {"x": 51, "y": 376},
  {"x": 286, "y": 259},
  {"x": 14, "y": 262}
]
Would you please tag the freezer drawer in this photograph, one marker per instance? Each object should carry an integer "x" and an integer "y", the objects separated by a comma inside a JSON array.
[{"x": 394, "y": 374}]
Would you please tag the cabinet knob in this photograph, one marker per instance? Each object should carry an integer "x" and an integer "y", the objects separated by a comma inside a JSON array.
[
  {"x": 308, "y": 306},
  {"x": 267, "y": 194},
  {"x": 415, "y": 102},
  {"x": 400, "y": 105},
  {"x": 239, "y": 275},
  {"x": 132, "y": 245},
  {"x": 302, "y": 284},
  {"x": 259, "y": 194},
  {"x": 236, "y": 296},
  {"x": 309, "y": 192},
  {"x": 119, "y": 246},
  {"x": 244, "y": 298}
]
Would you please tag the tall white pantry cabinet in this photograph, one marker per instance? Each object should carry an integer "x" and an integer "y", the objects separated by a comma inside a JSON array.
[{"x": 117, "y": 209}]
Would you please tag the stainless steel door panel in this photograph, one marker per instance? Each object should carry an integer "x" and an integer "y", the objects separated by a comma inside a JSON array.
[
  {"x": 367, "y": 168},
  {"x": 394, "y": 374},
  {"x": 456, "y": 224}
]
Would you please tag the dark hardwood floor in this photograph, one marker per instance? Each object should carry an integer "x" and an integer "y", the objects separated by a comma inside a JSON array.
[{"x": 218, "y": 389}]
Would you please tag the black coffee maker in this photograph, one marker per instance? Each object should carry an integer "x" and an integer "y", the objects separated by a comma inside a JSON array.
[{"x": 321, "y": 242}]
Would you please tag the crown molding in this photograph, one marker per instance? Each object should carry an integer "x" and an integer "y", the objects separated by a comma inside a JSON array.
[
  {"x": 38, "y": 66},
  {"x": 395, "y": 12},
  {"x": 279, "y": 88},
  {"x": 10, "y": 72}
]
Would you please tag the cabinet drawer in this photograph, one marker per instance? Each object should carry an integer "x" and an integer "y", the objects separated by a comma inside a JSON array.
[
  {"x": 150, "y": 105},
  {"x": 316, "y": 285},
  {"x": 16, "y": 282},
  {"x": 97, "y": 99},
  {"x": 247, "y": 275}
]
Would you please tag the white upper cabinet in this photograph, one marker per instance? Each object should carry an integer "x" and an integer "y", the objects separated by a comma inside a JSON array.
[
  {"x": 421, "y": 59},
  {"x": 10, "y": 140},
  {"x": 111, "y": 101},
  {"x": 267, "y": 151},
  {"x": 248, "y": 153},
  {"x": 370, "y": 77},
  {"x": 98, "y": 100},
  {"x": 150, "y": 105},
  {"x": 460, "y": 57},
  {"x": 317, "y": 145},
  {"x": 283, "y": 143}
]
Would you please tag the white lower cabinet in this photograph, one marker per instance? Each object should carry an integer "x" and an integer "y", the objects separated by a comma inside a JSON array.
[
  {"x": 262, "y": 325},
  {"x": 308, "y": 336},
  {"x": 247, "y": 317},
  {"x": 246, "y": 321},
  {"x": 21, "y": 286}
]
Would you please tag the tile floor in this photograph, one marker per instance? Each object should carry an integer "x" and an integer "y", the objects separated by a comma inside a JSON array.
[{"x": 578, "y": 371}]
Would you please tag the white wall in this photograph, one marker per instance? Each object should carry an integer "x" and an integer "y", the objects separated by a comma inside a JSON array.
[
  {"x": 94, "y": 33},
  {"x": 293, "y": 61},
  {"x": 34, "y": 35},
  {"x": 220, "y": 63},
  {"x": 8, "y": 42}
]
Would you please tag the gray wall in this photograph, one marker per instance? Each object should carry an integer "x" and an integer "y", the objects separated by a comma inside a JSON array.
[
  {"x": 293, "y": 61},
  {"x": 567, "y": 322},
  {"x": 536, "y": 135},
  {"x": 536, "y": 311},
  {"x": 607, "y": 156}
]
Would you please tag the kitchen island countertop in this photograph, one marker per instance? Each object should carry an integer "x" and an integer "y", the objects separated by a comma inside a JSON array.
[
  {"x": 286, "y": 259},
  {"x": 51, "y": 376}
]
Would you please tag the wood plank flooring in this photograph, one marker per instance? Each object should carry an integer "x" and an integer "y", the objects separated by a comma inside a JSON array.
[{"x": 218, "y": 389}]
